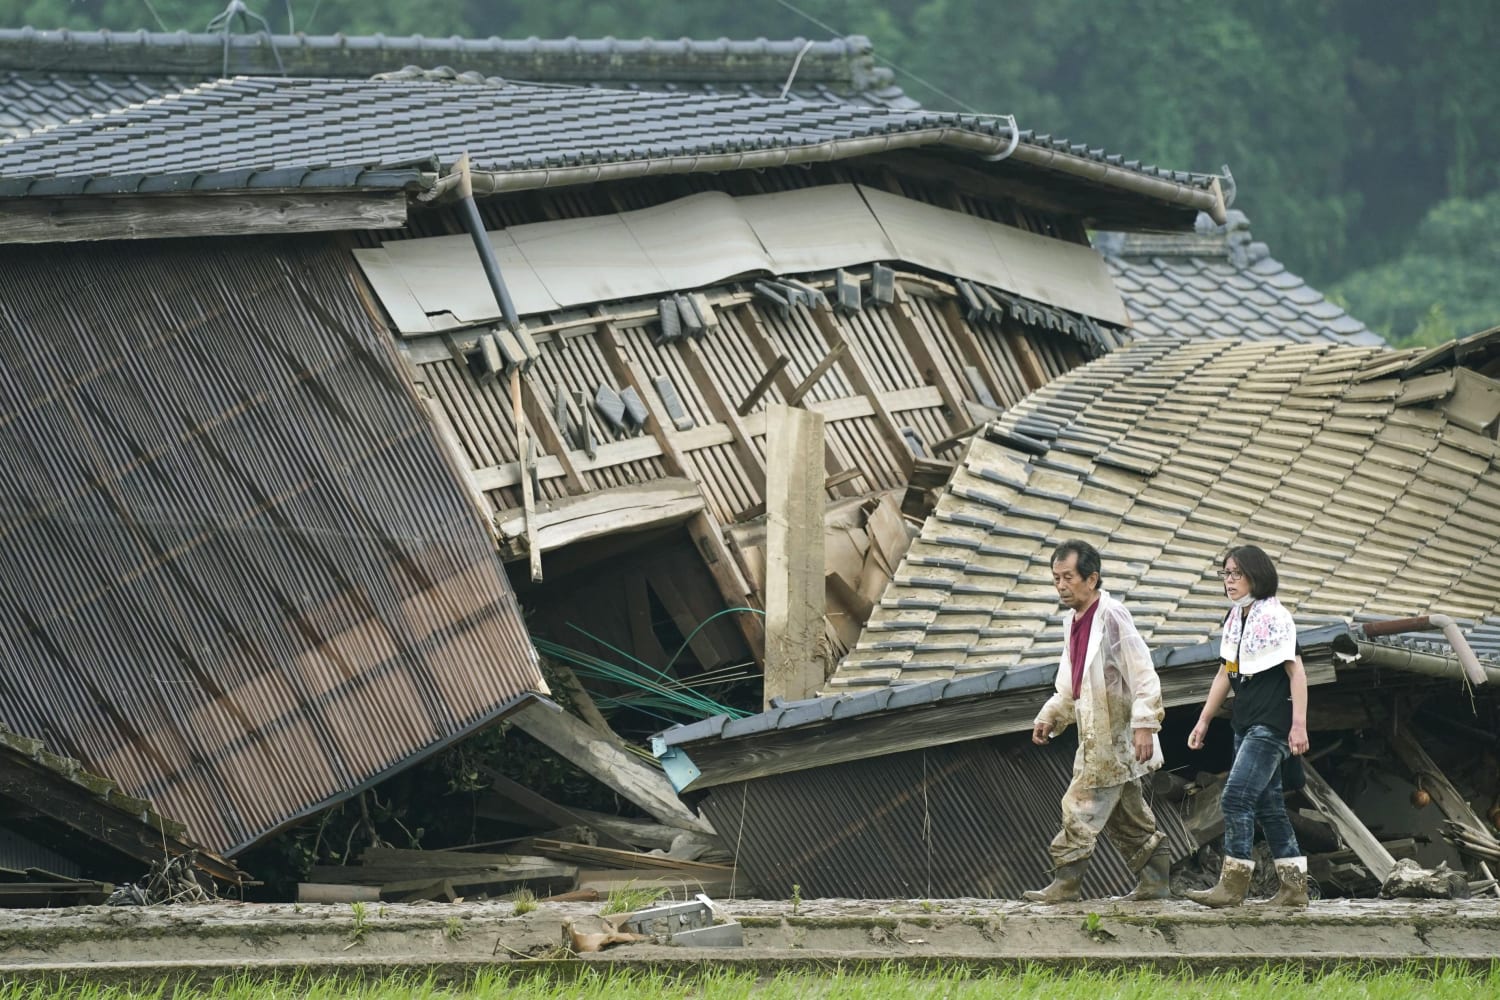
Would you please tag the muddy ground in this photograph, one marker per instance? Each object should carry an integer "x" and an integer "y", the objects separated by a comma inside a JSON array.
[{"x": 454, "y": 939}]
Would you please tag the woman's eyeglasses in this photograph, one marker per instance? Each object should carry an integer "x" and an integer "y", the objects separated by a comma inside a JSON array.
[{"x": 1232, "y": 574}]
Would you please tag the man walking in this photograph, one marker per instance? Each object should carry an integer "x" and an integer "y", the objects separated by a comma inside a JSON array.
[{"x": 1107, "y": 684}]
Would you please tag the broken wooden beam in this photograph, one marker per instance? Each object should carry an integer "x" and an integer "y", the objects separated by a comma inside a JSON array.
[
  {"x": 1447, "y": 798},
  {"x": 1351, "y": 830},
  {"x": 545, "y": 808},
  {"x": 636, "y": 780}
]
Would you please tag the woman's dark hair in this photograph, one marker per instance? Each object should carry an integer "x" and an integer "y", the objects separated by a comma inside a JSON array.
[
  {"x": 1089, "y": 562},
  {"x": 1258, "y": 569}
]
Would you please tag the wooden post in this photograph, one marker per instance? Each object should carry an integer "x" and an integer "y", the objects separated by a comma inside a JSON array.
[
  {"x": 523, "y": 456},
  {"x": 795, "y": 666}
]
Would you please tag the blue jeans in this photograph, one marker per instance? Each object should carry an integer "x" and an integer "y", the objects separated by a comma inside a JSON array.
[{"x": 1253, "y": 792}]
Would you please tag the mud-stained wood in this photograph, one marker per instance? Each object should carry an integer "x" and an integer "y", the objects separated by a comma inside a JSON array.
[
  {"x": 51, "y": 220},
  {"x": 637, "y": 781},
  {"x": 795, "y": 663},
  {"x": 1351, "y": 830}
]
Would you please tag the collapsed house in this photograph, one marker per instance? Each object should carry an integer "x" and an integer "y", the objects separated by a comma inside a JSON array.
[
  {"x": 245, "y": 332},
  {"x": 1369, "y": 475}
]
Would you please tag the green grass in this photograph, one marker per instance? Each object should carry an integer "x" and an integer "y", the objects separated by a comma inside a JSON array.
[
  {"x": 1273, "y": 983},
  {"x": 632, "y": 897}
]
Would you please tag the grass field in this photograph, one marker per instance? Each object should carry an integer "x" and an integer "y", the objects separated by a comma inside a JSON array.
[{"x": 893, "y": 984}]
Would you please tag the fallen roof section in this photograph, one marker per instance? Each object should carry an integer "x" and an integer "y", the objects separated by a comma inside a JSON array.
[
  {"x": 84, "y": 817},
  {"x": 257, "y": 133},
  {"x": 49, "y": 77},
  {"x": 1370, "y": 479},
  {"x": 241, "y": 578},
  {"x": 1219, "y": 282}
]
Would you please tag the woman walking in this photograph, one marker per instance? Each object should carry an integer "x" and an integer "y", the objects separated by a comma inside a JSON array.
[{"x": 1259, "y": 650}]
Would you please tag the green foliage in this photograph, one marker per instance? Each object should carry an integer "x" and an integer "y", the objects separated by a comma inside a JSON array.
[
  {"x": 796, "y": 898},
  {"x": 453, "y": 929},
  {"x": 1444, "y": 284},
  {"x": 525, "y": 902},
  {"x": 630, "y": 897},
  {"x": 360, "y": 927}
]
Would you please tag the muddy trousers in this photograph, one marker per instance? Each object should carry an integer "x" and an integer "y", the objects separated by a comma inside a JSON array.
[{"x": 1118, "y": 811}]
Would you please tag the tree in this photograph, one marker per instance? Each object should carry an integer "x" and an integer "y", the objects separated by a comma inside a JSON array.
[{"x": 1444, "y": 285}]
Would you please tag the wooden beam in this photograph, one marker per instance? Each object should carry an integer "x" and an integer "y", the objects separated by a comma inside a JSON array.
[
  {"x": 629, "y": 373},
  {"x": 1449, "y": 800},
  {"x": 795, "y": 662},
  {"x": 764, "y": 385},
  {"x": 634, "y": 779},
  {"x": 924, "y": 352},
  {"x": 523, "y": 453},
  {"x": 968, "y": 347},
  {"x": 606, "y": 512},
  {"x": 813, "y": 377},
  {"x": 545, "y": 808},
  {"x": 756, "y": 334},
  {"x": 1031, "y": 366},
  {"x": 864, "y": 384},
  {"x": 709, "y": 388},
  {"x": 1365, "y": 845},
  {"x": 143, "y": 217},
  {"x": 539, "y": 416}
]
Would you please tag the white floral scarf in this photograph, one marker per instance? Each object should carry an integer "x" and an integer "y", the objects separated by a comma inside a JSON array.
[{"x": 1269, "y": 637}]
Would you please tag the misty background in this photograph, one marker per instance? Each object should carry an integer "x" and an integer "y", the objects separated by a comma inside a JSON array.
[{"x": 1360, "y": 133}]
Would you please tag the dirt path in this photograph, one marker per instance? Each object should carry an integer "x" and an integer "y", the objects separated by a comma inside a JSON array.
[{"x": 452, "y": 940}]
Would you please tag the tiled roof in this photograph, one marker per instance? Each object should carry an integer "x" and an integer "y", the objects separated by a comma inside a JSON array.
[
  {"x": 1218, "y": 282},
  {"x": 277, "y": 132},
  {"x": 1341, "y": 462},
  {"x": 41, "y": 83}
]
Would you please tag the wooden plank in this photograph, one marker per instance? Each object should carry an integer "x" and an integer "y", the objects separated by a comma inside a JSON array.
[
  {"x": 1032, "y": 371},
  {"x": 763, "y": 386},
  {"x": 540, "y": 805},
  {"x": 605, "y": 857},
  {"x": 1449, "y": 800},
  {"x": 605, "y": 512},
  {"x": 634, "y": 779},
  {"x": 533, "y": 550},
  {"x": 330, "y": 892},
  {"x": 143, "y": 217},
  {"x": 795, "y": 665},
  {"x": 1365, "y": 845}
]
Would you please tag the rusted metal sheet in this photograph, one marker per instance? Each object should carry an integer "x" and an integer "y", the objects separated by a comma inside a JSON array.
[
  {"x": 964, "y": 820},
  {"x": 241, "y": 578}
]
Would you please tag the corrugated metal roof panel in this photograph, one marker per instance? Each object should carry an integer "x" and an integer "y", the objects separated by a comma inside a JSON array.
[
  {"x": 241, "y": 579},
  {"x": 971, "y": 819}
]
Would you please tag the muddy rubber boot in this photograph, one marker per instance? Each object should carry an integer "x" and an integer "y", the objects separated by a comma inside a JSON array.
[
  {"x": 1293, "y": 892},
  {"x": 1155, "y": 879},
  {"x": 1065, "y": 885},
  {"x": 1234, "y": 882}
]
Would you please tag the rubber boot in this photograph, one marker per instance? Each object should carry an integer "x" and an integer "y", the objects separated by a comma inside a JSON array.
[
  {"x": 1293, "y": 892},
  {"x": 1065, "y": 887},
  {"x": 1234, "y": 882},
  {"x": 1155, "y": 878}
]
